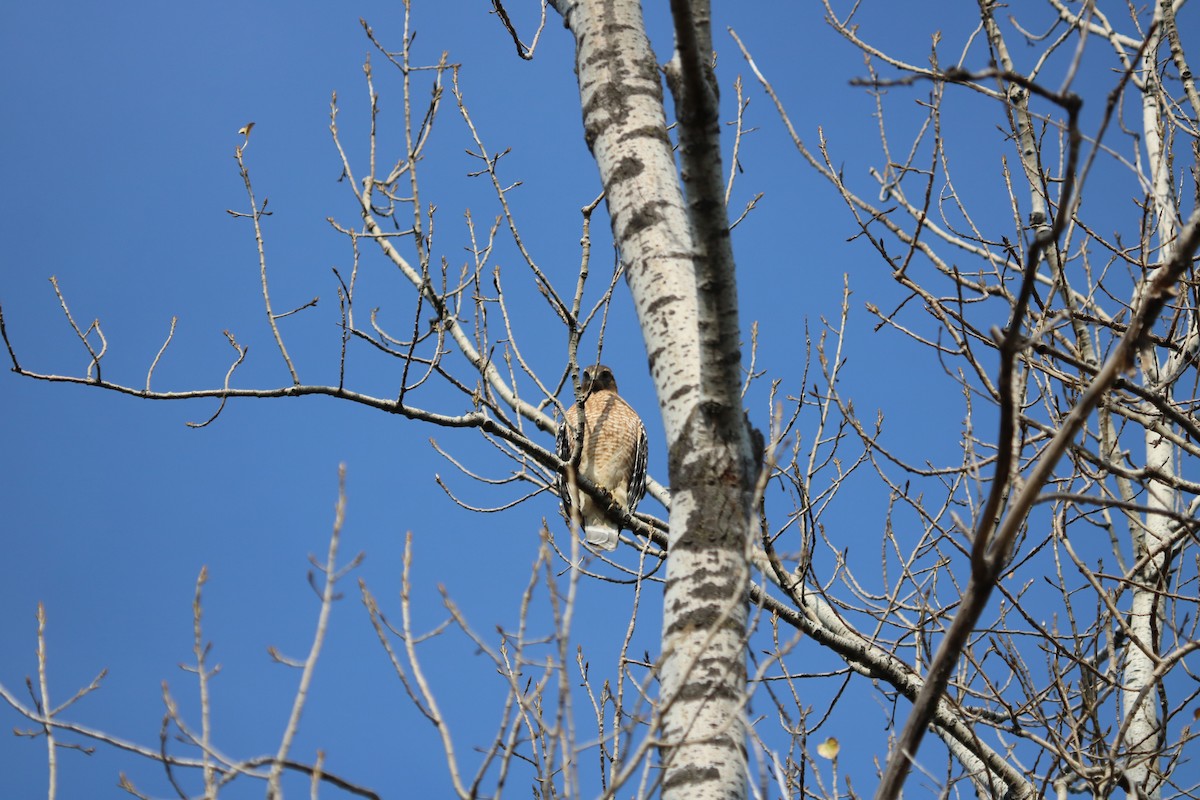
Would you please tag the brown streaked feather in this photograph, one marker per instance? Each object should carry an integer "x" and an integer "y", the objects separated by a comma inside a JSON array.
[{"x": 613, "y": 457}]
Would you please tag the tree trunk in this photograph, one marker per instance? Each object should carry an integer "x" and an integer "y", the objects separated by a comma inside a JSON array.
[
  {"x": 680, "y": 271},
  {"x": 1139, "y": 701}
]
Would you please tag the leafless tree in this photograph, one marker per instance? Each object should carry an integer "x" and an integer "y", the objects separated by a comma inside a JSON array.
[{"x": 1036, "y": 602}]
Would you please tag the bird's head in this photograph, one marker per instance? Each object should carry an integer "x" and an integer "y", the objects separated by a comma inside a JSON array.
[{"x": 598, "y": 378}]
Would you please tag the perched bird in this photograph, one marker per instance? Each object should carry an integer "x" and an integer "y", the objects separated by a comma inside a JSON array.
[{"x": 613, "y": 458}]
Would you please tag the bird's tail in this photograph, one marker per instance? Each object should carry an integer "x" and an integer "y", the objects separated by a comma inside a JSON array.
[{"x": 602, "y": 535}]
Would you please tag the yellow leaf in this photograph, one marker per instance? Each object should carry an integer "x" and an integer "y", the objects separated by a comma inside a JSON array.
[{"x": 828, "y": 748}]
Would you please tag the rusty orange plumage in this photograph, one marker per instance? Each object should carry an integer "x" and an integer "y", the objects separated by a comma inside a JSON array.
[{"x": 613, "y": 456}]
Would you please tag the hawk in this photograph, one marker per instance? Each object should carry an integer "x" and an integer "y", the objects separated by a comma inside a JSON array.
[{"x": 613, "y": 458}]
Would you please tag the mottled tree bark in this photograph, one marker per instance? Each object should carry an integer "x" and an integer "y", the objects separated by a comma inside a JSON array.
[
  {"x": 679, "y": 266},
  {"x": 1139, "y": 701}
]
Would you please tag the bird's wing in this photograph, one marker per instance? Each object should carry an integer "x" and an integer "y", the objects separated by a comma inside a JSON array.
[
  {"x": 563, "y": 445},
  {"x": 637, "y": 476}
]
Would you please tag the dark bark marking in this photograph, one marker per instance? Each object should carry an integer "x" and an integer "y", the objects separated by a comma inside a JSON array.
[
  {"x": 705, "y": 690},
  {"x": 682, "y": 390},
  {"x": 655, "y": 132},
  {"x": 645, "y": 217},
  {"x": 627, "y": 169},
  {"x": 687, "y": 776},
  {"x": 661, "y": 301},
  {"x": 709, "y": 617}
]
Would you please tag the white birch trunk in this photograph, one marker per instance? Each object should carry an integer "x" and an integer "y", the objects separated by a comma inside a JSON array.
[
  {"x": 1139, "y": 699},
  {"x": 685, "y": 317}
]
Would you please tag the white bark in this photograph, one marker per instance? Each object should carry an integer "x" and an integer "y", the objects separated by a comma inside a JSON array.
[
  {"x": 679, "y": 268},
  {"x": 1139, "y": 701},
  {"x": 626, "y": 128},
  {"x": 1143, "y": 730}
]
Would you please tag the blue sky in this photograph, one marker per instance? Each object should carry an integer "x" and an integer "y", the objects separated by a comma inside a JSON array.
[{"x": 118, "y": 161}]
